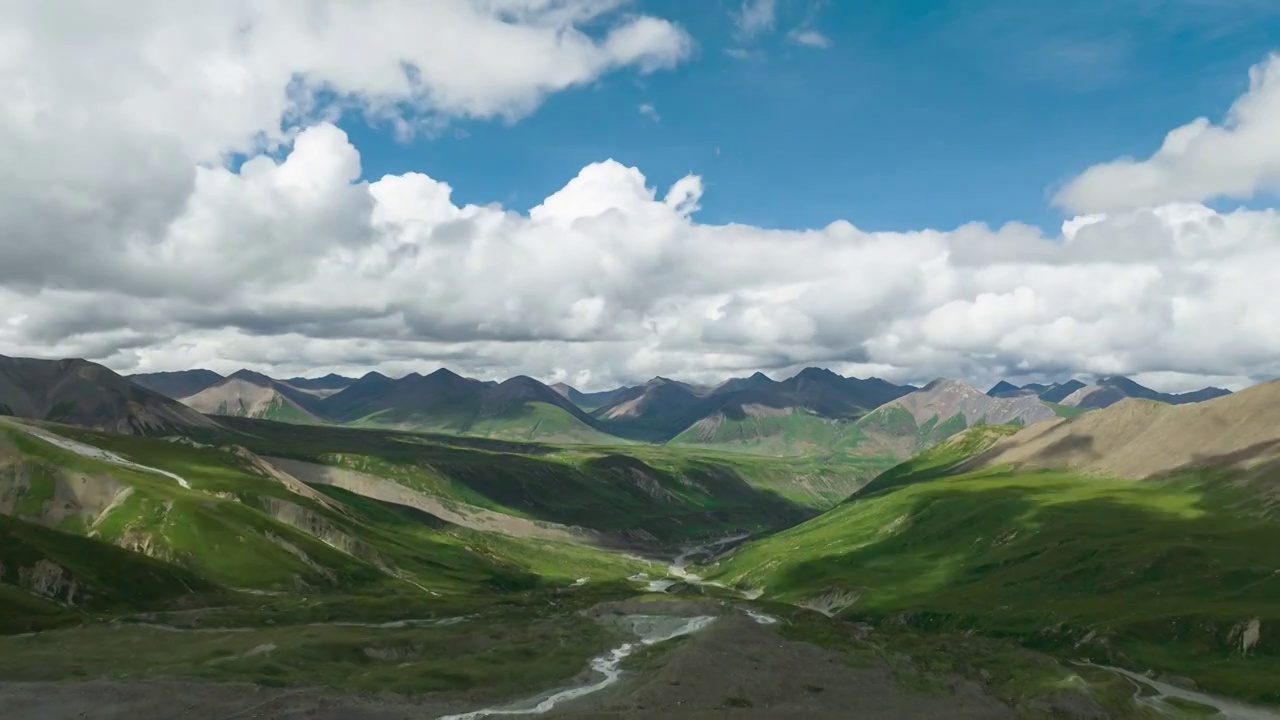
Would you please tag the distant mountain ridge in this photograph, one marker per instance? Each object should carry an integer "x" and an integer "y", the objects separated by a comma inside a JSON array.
[
  {"x": 815, "y": 411},
  {"x": 943, "y": 408},
  {"x": 443, "y": 401},
  {"x": 1111, "y": 390},
  {"x": 1142, "y": 437},
  {"x": 250, "y": 394},
  {"x": 1102, "y": 393},
  {"x": 664, "y": 409}
]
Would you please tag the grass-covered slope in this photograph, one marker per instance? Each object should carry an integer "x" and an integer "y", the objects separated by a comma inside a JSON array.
[
  {"x": 48, "y": 578},
  {"x": 785, "y": 431},
  {"x": 1170, "y": 574},
  {"x": 635, "y": 493},
  {"x": 238, "y": 527},
  {"x": 941, "y": 409},
  {"x": 533, "y": 421}
]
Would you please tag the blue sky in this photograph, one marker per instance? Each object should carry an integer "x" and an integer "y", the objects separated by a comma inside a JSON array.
[
  {"x": 122, "y": 239},
  {"x": 919, "y": 113}
]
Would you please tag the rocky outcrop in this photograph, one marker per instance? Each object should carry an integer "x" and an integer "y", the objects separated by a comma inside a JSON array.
[
  {"x": 48, "y": 580},
  {"x": 315, "y": 525}
]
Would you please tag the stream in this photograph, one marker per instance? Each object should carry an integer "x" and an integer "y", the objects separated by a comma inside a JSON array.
[
  {"x": 1227, "y": 709},
  {"x": 677, "y": 572},
  {"x": 95, "y": 453},
  {"x": 651, "y": 629}
]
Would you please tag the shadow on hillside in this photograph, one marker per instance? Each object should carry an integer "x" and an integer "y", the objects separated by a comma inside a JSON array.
[
  {"x": 614, "y": 493},
  {"x": 309, "y": 438},
  {"x": 1070, "y": 446},
  {"x": 1163, "y": 587}
]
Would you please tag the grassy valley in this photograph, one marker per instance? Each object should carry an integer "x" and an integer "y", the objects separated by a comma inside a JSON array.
[{"x": 478, "y": 569}]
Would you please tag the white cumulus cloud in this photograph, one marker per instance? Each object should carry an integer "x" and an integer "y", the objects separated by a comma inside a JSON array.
[
  {"x": 809, "y": 37},
  {"x": 1197, "y": 162},
  {"x": 127, "y": 237}
]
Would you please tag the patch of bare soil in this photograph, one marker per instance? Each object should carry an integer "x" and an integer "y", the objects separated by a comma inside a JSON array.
[
  {"x": 377, "y": 488},
  {"x": 1142, "y": 438},
  {"x": 739, "y": 668}
]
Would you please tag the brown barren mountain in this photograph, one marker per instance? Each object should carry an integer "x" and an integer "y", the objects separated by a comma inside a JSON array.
[
  {"x": 246, "y": 394},
  {"x": 945, "y": 398},
  {"x": 1143, "y": 438}
]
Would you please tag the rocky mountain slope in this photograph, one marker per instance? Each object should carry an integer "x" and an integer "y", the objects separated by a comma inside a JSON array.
[
  {"x": 1145, "y": 438},
  {"x": 79, "y": 392},
  {"x": 249, "y": 394},
  {"x": 755, "y": 410},
  {"x": 1110, "y": 390},
  {"x": 943, "y": 408},
  {"x": 587, "y": 401}
]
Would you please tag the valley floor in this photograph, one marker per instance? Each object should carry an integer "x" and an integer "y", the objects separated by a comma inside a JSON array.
[
  {"x": 716, "y": 657},
  {"x": 299, "y": 573}
]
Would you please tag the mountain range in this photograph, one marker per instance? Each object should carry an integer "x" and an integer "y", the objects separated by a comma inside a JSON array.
[
  {"x": 815, "y": 411},
  {"x": 1014, "y": 518},
  {"x": 1104, "y": 392}
]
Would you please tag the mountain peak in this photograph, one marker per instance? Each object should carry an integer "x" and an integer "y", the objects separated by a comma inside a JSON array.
[
  {"x": 816, "y": 373},
  {"x": 250, "y": 376},
  {"x": 443, "y": 373},
  {"x": 1002, "y": 387}
]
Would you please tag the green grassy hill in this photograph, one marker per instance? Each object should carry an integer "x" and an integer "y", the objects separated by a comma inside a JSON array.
[
  {"x": 629, "y": 491},
  {"x": 1166, "y": 574},
  {"x": 50, "y": 578},
  {"x": 532, "y": 422},
  {"x": 235, "y": 528},
  {"x": 792, "y": 431},
  {"x": 305, "y": 586}
]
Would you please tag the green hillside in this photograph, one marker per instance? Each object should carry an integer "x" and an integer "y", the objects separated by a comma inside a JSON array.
[
  {"x": 609, "y": 489},
  {"x": 532, "y": 421},
  {"x": 1163, "y": 574},
  {"x": 790, "y": 432},
  {"x": 50, "y": 578},
  {"x": 302, "y": 586},
  {"x": 895, "y": 427}
]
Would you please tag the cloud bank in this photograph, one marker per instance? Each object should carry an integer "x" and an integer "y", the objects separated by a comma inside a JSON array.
[{"x": 126, "y": 238}]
